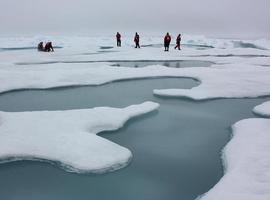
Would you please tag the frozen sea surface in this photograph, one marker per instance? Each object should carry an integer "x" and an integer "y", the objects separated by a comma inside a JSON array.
[
  {"x": 177, "y": 149},
  {"x": 172, "y": 158}
]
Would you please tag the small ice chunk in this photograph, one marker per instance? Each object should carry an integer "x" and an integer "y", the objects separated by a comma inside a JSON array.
[{"x": 263, "y": 109}]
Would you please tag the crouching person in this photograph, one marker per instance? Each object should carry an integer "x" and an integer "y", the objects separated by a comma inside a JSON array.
[
  {"x": 48, "y": 47},
  {"x": 40, "y": 46}
]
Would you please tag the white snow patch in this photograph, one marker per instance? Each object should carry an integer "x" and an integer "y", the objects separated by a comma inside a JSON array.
[
  {"x": 90, "y": 49},
  {"x": 146, "y": 39},
  {"x": 247, "y": 163},
  {"x": 227, "y": 81},
  {"x": 263, "y": 109},
  {"x": 68, "y": 137},
  {"x": 219, "y": 81}
]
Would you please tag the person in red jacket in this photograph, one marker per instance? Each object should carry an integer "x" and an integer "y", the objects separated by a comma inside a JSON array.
[
  {"x": 167, "y": 41},
  {"x": 118, "y": 39},
  {"x": 48, "y": 47},
  {"x": 137, "y": 40},
  {"x": 178, "y": 42},
  {"x": 40, "y": 46}
]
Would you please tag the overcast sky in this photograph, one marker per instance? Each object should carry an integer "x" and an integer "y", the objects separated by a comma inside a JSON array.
[{"x": 220, "y": 18}]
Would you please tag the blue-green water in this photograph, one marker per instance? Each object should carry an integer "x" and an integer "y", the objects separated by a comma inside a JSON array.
[
  {"x": 176, "y": 150},
  {"x": 131, "y": 63},
  {"x": 169, "y": 63}
]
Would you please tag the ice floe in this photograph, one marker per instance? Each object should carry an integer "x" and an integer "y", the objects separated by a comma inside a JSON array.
[
  {"x": 229, "y": 81},
  {"x": 247, "y": 161},
  {"x": 241, "y": 70},
  {"x": 68, "y": 137},
  {"x": 91, "y": 49},
  {"x": 147, "y": 39},
  {"x": 219, "y": 81},
  {"x": 263, "y": 109}
]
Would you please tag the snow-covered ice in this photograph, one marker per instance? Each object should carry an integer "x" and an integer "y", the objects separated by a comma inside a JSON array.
[
  {"x": 90, "y": 49},
  {"x": 146, "y": 40},
  {"x": 230, "y": 81},
  {"x": 247, "y": 161},
  {"x": 263, "y": 109},
  {"x": 240, "y": 69},
  {"x": 226, "y": 81},
  {"x": 68, "y": 137}
]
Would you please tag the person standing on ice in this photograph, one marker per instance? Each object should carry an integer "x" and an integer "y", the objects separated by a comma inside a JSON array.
[
  {"x": 178, "y": 42},
  {"x": 167, "y": 41},
  {"x": 137, "y": 40},
  {"x": 118, "y": 39}
]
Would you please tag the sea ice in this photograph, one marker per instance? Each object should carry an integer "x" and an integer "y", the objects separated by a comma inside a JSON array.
[
  {"x": 263, "y": 109},
  {"x": 218, "y": 81},
  {"x": 247, "y": 163},
  {"x": 89, "y": 49},
  {"x": 68, "y": 137}
]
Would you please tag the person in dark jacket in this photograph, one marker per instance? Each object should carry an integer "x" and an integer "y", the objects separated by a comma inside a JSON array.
[
  {"x": 167, "y": 41},
  {"x": 48, "y": 47},
  {"x": 40, "y": 46},
  {"x": 137, "y": 40},
  {"x": 118, "y": 39},
  {"x": 178, "y": 42}
]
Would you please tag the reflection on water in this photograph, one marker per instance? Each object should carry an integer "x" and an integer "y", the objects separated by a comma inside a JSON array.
[
  {"x": 184, "y": 45},
  {"x": 143, "y": 63},
  {"x": 176, "y": 150},
  {"x": 106, "y": 47},
  {"x": 174, "y": 64}
]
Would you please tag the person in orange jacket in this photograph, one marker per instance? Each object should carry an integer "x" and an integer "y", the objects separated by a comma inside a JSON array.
[
  {"x": 178, "y": 42},
  {"x": 167, "y": 41},
  {"x": 137, "y": 40},
  {"x": 118, "y": 39}
]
